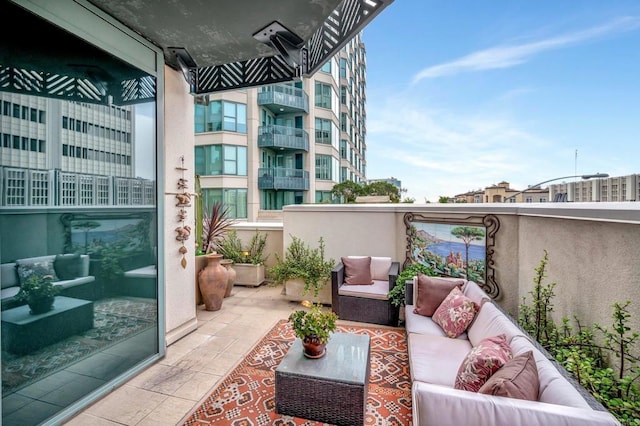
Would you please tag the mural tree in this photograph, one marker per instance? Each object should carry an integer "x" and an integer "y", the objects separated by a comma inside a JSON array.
[{"x": 467, "y": 234}]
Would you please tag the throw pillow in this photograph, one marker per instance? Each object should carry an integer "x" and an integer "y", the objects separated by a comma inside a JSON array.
[
  {"x": 68, "y": 266},
  {"x": 481, "y": 362},
  {"x": 455, "y": 313},
  {"x": 431, "y": 291},
  {"x": 41, "y": 268},
  {"x": 357, "y": 270},
  {"x": 518, "y": 378},
  {"x": 380, "y": 268}
]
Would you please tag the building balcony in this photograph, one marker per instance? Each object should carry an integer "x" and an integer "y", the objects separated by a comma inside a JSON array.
[
  {"x": 283, "y": 99},
  {"x": 283, "y": 179},
  {"x": 283, "y": 138}
]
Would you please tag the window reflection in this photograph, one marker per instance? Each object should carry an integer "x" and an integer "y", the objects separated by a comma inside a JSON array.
[{"x": 77, "y": 208}]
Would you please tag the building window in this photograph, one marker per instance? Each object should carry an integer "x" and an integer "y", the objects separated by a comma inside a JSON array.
[
  {"x": 326, "y": 67},
  {"x": 323, "y": 167},
  {"x": 343, "y": 95},
  {"x": 324, "y": 197},
  {"x": 213, "y": 160},
  {"x": 323, "y": 95},
  {"x": 343, "y": 148},
  {"x": 323, "y": 131},
  {"x": 233, "y": 199},
  {"x": 220, "y": 115},
  {"x": 343, "y": 68},
  {"x": 344, "y": 119}
]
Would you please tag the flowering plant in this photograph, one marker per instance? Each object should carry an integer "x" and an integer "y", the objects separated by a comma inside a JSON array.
[
  {"x": 36, "y": 288},
  {"x": 313, "y": 322}
]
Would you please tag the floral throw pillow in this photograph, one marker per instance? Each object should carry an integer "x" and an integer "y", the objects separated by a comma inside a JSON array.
[
  {"x": 455, "y": 313},
  {"x": 40, "y": 268},
  {"x": 482, "y": 361}
]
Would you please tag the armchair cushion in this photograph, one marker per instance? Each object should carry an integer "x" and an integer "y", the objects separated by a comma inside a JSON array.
[
  {"x": 378, "y": 290},
  {"x": 431, "y": 291},
  {"x": 380, "y": 268},
  {"x": 357, "y": 270}
]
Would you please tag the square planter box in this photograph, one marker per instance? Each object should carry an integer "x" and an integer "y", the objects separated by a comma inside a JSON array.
[
  {"x": 248, "y": 274},
  {"x": 294, "y": 290}
]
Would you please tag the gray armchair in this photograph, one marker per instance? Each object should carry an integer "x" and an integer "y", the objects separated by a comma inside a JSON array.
[{"x": 364, "y": 303}]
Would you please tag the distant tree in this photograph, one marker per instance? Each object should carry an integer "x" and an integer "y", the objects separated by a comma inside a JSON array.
[
  {"x": 383, "y": 188},
  {"x": 409, "y": 200},
  {"x": 347, "y": 191},
  {"x": 467, "y": 234},
  {"x": 443, "y": 199}
]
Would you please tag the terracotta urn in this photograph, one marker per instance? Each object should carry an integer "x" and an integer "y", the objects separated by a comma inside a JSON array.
[
  {"x": 312, "y": 348},
  {"x": 213, "y": 282},
  {"x": 228, "y": 263}
]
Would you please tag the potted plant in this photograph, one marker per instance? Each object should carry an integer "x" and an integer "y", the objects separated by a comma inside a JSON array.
[
  {"x": 314, "y": 327},
  {"x": 249, "y": 260},
  {"x": 303, "y": 270},
  {"x": 397, "y": 293},
  {"x": 215, "y": 223},
  {"x": 38, "y": 292}
]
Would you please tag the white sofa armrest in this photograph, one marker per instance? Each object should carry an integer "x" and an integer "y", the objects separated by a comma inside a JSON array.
[{"x": 442, "y": 406}]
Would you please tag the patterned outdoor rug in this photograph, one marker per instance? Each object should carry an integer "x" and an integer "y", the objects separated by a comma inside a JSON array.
[
  {"x": 246, "y": 397},
  {"x": 114, "y": 320}
]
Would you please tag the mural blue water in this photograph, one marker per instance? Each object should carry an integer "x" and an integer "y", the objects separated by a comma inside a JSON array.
[{"x": 476, "y": 252}]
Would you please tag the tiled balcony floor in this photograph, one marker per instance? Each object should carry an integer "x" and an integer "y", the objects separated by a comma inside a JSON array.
[{"x": 165, "y": 392}]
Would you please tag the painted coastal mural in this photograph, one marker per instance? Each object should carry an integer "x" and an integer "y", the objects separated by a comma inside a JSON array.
[{"x": 461, "y": 249}]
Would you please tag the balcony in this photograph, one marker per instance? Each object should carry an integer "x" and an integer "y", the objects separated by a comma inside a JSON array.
[
  {"x": 592, "y": 251},
  {"x": 284, "y": 99},
  {"x": 283, "y": 138},
  {"x": 283, "y": 178}
]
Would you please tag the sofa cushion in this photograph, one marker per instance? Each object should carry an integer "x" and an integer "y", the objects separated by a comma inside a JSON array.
[
  {"x": 357, "y": 270},
  {"x": 554, "y": 387},
  {"x": 473, "y": 291},
  {"x": 435, "y": 359},
  {"x": 481, "y": 362},
  {"x": 518, "y": 378},
  {"x": 42, "y": 267},
  {"x": 380, "y": 268},
  {"x": 68, "y": 266},
  {"x": 8, "y": 275},
  {"x": 455, "y": 313},
  {"x": 415, "y": 323},
  {"x": 491, "y": 321},
  {"x": 431, "y": 291}
]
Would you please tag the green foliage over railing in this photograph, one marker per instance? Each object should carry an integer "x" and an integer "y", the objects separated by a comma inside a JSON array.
[
  {"x": 613, "y": 384},
  {"x": 396, "y": 295}
]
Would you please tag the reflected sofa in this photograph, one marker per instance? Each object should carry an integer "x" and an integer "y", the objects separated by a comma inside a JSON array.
[
  {"x": 435, "y": 360},
  {"x": 71, "y": 271}
]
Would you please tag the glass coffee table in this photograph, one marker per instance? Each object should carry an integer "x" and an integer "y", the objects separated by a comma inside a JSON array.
[{"x": 332, "y": 389}]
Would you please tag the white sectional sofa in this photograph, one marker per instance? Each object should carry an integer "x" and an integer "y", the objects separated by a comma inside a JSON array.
[
  {"x": 435, "y": 359},
  {"x": 74, "y": 279}
]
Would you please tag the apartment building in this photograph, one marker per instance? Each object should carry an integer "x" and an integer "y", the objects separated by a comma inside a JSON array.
[
  {"x": 67, "y": 153},
  {"x": 619, "y": 188},
  {"x": 259, "y": 149}
]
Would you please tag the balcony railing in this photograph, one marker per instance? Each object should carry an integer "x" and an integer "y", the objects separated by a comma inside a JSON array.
[
  {"x": 283, "y": 137},
  {"x": 281, "y": 98},
  {"x": 283, "y": 178}
]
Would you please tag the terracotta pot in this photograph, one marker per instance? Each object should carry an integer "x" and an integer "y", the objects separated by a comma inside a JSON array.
[
  {"x": 41, "y": 306},
  {"x": 312, "y": 348},
  {"x": 212, "y": 281},
  {"x": 227, "y": 263}
]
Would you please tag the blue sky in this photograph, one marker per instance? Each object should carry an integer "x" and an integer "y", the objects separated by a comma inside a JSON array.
[{"x": 464, "y": 94}]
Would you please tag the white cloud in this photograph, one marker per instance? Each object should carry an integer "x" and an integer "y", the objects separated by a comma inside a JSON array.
[
  {"x": 509, "y": 56},
  {"x": 437, "y": 152}
]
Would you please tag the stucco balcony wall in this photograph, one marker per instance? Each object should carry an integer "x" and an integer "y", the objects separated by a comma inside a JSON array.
[{"x": 593, "y": 247}]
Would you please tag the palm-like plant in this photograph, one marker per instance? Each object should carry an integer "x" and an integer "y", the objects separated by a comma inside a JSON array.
[{"x": 215, "y": 224}]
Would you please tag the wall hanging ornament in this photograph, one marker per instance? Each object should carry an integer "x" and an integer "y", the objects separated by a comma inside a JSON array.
[{"x": 183, "y": 232}]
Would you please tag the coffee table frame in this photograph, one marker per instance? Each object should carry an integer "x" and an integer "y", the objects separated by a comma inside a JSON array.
[{"x": 332, "y": 389}]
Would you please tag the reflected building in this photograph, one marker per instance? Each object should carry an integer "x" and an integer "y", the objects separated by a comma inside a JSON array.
[{"x": 66, "y": 153}]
